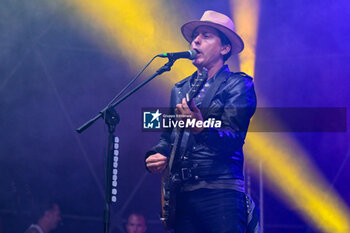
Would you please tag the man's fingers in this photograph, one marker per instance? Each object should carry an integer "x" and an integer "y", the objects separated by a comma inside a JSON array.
[
  {"x": 194, "y": 107},
  {"x": 156, "y": 167},
  {"x": 155, "y": 159},
  {"x": 179, "y": 109},
  {"x": 185, "y": 105},
  {"x": 183, "y": 108},
  {"x": 157, "y": 164}
]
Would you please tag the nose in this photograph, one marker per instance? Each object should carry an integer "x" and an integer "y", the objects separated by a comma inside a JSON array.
[{"x": 197, "y": 40}]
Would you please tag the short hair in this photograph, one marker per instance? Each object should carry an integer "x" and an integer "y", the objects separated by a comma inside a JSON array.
[
  {"x": 225, "y": 41},
  {"x": 41, "y": 207},
  {"x": 137, "y": 214}
]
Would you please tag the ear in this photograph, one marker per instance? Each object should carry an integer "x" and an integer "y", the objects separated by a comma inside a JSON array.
[{"x": 225, "y": 49}]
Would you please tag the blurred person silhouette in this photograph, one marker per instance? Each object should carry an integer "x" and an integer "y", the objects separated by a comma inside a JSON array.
[
  {"x": 47, "y": 216},
  {"x": 136, "y": 223}
]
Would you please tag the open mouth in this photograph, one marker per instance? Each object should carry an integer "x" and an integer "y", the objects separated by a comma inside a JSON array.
[{"x": 198, "y": 52}]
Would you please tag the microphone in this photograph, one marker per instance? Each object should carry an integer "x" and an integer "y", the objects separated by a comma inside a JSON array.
[{"x": 190, "y": 54}]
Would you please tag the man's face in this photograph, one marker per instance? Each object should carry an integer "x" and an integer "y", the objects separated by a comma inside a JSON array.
[
  {"x": 53, "y": 216},
  {"x": 207, "y": 42},
  {"x": 136, "y": 224}
]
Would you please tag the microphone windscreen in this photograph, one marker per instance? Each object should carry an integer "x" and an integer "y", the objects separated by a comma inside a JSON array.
[{"x": 193, "y": 54}]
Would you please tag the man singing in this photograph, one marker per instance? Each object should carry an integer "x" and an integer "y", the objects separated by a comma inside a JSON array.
[{"x": 211, "y": 196}]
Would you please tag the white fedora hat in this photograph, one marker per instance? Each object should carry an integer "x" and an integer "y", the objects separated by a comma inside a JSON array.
[{"x": 219, "y": 21}]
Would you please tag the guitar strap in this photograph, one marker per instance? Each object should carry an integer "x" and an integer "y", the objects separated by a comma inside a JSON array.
[{"x": 222, "y": 76}]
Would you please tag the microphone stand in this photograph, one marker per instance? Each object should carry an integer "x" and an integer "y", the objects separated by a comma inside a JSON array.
[{"x": 112, "y": 118}]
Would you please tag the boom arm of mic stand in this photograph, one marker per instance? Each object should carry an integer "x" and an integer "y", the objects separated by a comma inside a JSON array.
[{"x": 164, "y": 68}]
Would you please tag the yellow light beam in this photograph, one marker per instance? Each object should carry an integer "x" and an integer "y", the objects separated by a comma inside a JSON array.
[
  {"x": 139, "y": 29},
  {"x": 284, "y": 161},
  {"x": 286, "y": 166},
  {"x": 246, "y": 15}
]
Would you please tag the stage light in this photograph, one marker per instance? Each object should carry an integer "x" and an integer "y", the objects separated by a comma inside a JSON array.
[{"x": 115, "y": 170}]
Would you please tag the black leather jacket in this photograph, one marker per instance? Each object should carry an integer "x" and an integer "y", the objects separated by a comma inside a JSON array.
[{"x": 217, "y": 153}]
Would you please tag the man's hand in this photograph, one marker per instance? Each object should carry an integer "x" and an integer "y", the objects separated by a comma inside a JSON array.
[
  {"x": 183, "y": 109},
  {"x": 156, "y": 163}
]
